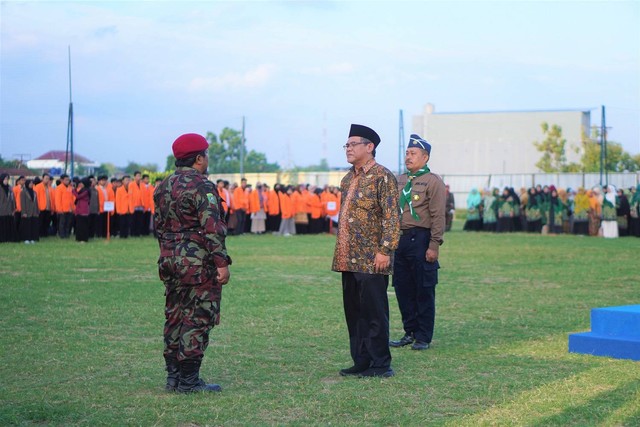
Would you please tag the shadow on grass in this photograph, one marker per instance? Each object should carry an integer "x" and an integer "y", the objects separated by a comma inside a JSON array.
[{"x": 600, "y": 409}]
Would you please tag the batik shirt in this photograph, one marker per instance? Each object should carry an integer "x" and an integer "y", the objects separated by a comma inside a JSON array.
[
  {"x": 189, "y": 219},
  {"x": 369, "y": 219}
]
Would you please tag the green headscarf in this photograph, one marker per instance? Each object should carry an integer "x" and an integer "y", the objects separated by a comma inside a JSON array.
[{"x": 636, "y": 196}]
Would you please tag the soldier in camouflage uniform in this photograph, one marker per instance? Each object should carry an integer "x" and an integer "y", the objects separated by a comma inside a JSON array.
[{"x": 193, "y": 262}]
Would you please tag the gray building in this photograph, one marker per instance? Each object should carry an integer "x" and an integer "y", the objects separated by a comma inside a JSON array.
[{"x": 495, "y": 142}]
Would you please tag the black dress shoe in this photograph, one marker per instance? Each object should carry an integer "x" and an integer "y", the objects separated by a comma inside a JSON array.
[
  {"x": 377, "y": 372},
  {"x": 405, "y": 340},
  {"x": 354, "y": 370},
  {"x": 420, "y": 345}
]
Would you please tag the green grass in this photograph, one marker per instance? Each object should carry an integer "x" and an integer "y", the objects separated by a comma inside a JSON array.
[{"x": 81, "y": 339}]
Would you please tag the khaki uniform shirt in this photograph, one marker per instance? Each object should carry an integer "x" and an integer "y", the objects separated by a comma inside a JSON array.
[{"x": 428, "y": 194}]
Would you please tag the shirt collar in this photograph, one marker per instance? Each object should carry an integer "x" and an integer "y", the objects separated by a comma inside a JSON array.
[{"x": 365, "y": 168}]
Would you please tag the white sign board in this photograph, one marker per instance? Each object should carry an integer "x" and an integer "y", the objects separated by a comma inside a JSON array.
[{"x": 109, "y": 206}]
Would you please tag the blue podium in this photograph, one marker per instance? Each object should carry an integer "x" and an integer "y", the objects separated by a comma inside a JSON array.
[{"x": 615, "y": 332}]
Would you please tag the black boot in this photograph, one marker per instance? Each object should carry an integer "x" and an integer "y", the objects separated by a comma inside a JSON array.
[
  {"x": 173, "y": 374},
  {"x": 190, "y": 378}
]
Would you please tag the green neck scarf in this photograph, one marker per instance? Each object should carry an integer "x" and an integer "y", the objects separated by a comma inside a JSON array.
[{"x": 405, "y": 196}]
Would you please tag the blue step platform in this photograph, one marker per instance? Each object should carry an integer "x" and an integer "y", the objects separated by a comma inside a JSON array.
[{"x": 615, "y": 332}]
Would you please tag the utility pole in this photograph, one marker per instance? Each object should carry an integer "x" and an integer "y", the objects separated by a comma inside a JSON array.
[
  {"x": 69, "y": 151},
  {"x": 603, "y": 149},
  {"x": 21, "y": 156},
  {"x": 401, "y": 148},
  {"x": 242, "y": 151}
]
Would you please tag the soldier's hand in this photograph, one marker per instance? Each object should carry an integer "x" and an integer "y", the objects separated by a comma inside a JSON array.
[{"x": 223, "y": 275}]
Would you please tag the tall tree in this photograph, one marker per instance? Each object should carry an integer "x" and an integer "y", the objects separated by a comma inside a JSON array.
[
  {"x": 108, "y": 169},
  {"x": 171, "y": 163},
  {"x": 133, "y": 166},
  {"x": 8, "y": 163},
  {"x": 552, "y": 148},
  {"x": 617, "y": 160},
  {"x": 224, "y": 154},
  {"x": 322, "y": 167}
]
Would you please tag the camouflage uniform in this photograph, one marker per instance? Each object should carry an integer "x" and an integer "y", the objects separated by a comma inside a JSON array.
[{"x": 191, "y": 233}]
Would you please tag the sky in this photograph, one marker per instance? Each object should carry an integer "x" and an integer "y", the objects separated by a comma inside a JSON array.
[{"x": 300, "y": 73}]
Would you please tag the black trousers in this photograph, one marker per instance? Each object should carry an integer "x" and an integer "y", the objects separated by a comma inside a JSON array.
[
  {"x": 64, "y": 224},
  {"x": 82, "y": 228},
  {"x": 124, "y": 225},
  {"x": 241, "y": 216},
  {"x": 29, "y": 229},
  {"x": 93, "y": 224},
  {"x": 273, "y": 222},
  {"x": 45, "y": 223},
  {"x": 415, "y": 280},
  {"x": 146, "y": 223},
  {"x": 366, "y": 309},
  {"x": 137, "y": 219}
]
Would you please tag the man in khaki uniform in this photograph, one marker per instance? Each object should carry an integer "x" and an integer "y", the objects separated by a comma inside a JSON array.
[{"x": 422, "y": 223}]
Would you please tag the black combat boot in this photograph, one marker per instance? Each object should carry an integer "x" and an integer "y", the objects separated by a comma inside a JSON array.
[
  {"x": 190, "y": 378},
  {"x": 173, "y": 374}
]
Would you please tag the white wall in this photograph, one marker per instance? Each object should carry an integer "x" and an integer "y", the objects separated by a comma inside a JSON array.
[{"x": 491, "y": 143}]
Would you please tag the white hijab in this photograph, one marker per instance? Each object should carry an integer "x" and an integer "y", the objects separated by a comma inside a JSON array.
[{"x": 611, "y": 194}]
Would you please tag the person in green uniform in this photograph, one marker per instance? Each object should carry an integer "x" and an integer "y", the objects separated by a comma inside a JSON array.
[{"x": 193, "y": 263}]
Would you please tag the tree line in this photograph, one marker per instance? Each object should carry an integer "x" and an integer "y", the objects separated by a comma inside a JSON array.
[{"x": 554, "y": 149}]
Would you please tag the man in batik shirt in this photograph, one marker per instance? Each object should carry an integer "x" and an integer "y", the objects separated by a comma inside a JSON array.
[{"x": 368, "y": 234}]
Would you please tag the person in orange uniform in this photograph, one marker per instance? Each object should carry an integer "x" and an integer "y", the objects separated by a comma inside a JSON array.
[
  {"x": 123, "y": 204},
  {"x": 147, "y": 202},
  {"x": 333, "y": 208},
  {"x": 300, "y": 208},
  {"x": 226, "y": 199},
  {"x": 330, "y": 206},
  {"x": 273, "y": 208},
  {"x": 315, "y": 211},
  {"x": 136, "y": 204},
  {"x": 17, "y": 191},
  {"x": 257, "y": 209},
  {"x": 287, "y": 212},
  {"x": 112, "y": 187},
  {"x": 103, "y": 194},
  {"x": 64, "y": 206},
  {"x": 240, "y": 206},
  {"x": 46, "y": 203}
]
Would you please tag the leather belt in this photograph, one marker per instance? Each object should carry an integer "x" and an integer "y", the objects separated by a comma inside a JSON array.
[{"x": 414, "y": 230}]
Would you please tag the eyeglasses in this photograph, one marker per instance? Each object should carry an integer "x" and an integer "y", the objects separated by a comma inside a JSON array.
[{"x": 352, "y": 144}]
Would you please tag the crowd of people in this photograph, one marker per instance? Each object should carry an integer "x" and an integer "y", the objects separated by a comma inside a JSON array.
[
  {"x": 41, "y": 207},
  {"x": 599, "y": 211},
  {"x": 88, "y": 207},
  {"x": 123, "y": 207},
  {"x": 283, "y": 209}
]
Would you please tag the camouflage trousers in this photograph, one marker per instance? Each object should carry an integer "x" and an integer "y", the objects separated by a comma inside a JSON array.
[{"x": 192, "y": 307}]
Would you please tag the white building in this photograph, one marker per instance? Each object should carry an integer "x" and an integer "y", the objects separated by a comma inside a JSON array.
[
  {"x": 53, "y": 162},
  {"x": 495, "y": 142}
]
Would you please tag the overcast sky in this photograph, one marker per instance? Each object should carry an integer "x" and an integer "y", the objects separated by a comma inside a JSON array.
[{"x": 302, "y": 72}]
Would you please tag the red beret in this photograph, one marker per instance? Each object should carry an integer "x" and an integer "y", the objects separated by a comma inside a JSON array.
[{"x": 188, "y": 145}]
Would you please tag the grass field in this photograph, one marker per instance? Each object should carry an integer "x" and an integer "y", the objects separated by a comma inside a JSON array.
[{"x": 81, "y": 339}]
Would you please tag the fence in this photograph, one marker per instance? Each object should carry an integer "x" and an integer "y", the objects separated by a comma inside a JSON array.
[{"x": 461, "y": 185}]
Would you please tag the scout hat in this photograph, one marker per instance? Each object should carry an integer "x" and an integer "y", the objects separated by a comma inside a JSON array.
[
  {"x": 188, "y": 145},
  {"x": 416, "y": 141}
]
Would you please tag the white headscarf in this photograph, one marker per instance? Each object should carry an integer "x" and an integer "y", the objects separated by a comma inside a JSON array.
[{"x": 611, "y": 194}]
